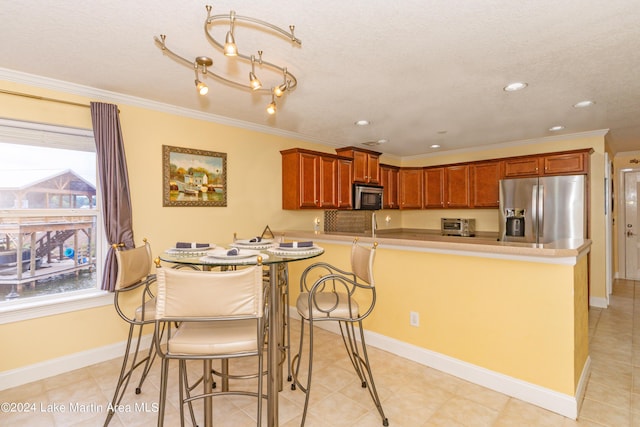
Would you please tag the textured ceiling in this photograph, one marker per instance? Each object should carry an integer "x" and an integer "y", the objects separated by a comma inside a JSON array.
[{"x": 422, "y": 71}]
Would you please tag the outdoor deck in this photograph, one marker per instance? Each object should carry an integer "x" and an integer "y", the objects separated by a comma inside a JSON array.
[
  {"x": 9, "y": 276},
  {"x": 45, "y": 240}
]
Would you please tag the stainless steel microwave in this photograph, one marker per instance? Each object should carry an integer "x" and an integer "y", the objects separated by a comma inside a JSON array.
[
  {"x": 458, "y": 227},
  {"x": 367, "y": 197}
]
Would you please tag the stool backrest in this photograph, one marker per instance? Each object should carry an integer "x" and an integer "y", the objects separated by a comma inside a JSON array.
[
  {"x": 209, "y": 294},
  {"x": 134, "y": 265},
  {"x": 362, "y": 262}
]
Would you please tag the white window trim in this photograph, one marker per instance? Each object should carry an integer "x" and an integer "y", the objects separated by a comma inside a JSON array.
[
  {"x": 41, "y": 306},
  {"x": 21, "y": 132}
]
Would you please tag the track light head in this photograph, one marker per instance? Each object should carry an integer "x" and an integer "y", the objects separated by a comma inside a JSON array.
[
  {"x": 230, "y": 48},
  {"x": 271, "y": 108},
  {"x": 254, "y": 81},
  {"x": 202, "y": 88}
]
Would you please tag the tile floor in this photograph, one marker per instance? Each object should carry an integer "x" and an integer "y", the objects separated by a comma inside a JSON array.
[{"x": 413, "y": 395}]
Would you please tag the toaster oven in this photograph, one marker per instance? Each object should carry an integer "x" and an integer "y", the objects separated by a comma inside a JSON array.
[{"x": 465, "y": 227}]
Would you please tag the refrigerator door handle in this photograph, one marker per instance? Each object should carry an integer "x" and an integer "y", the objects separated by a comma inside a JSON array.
[
  {"x": 540, "y": 211},
  {"x": 534, "y": 211}
]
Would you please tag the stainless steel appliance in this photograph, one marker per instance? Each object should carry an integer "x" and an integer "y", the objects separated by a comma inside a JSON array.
[
  {"x": 367, "y": 197},
  {"x": 542, "y": 210},
  {"x": 465, "y": 227}
]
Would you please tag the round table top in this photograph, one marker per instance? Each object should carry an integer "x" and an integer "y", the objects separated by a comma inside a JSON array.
[{"x": 247, "y": 256}]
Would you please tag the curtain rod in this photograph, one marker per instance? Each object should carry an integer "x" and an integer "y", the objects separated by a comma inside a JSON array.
[{"x": 43, "y": 98}]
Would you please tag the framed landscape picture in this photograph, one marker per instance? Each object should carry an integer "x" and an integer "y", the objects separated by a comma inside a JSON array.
[{"x": 193, "y": 177}]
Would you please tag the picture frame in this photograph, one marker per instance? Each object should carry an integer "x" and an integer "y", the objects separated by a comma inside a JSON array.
[{"x": 192, "y": 177}]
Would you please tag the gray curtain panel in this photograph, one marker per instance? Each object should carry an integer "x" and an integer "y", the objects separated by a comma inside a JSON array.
[{"x": 114, "y": 183}]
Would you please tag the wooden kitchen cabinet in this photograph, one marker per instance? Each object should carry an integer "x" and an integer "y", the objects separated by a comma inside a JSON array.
[
  {"x": 310, "y": 179},
  {"x": 318, "y": 180},
  {"x": 410, "y": 186},
  {"x": 521, "y": 167},
  {"x": 328, "y": 182},
  {"x": 457, "y": 185},
  {"x": 345, "y": 189},
  {"x": 434, "y": 182},
  {"x": 366, "y": 164},
  {"x": 389, "y": 180},
  {"x": 485, "y": 184},
  {"x": 565, "y": 163}
]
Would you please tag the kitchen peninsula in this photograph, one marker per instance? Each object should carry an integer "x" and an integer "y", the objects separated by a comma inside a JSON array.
[{"x": 512, "y": 317}]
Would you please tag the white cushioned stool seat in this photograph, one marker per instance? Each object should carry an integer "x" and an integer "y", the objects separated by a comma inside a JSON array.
[
  {"x": 326, "y": 304},
  {"x": 212, "y": 338},
  {"x": 149, "y": 311}
]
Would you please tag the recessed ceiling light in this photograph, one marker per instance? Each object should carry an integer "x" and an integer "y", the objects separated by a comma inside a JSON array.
[
  {"x": 362, "y": 122},
  {"x": 512, "y": 87},
  {"x": 435, "y": 146},
  {"x": 378, "y": 142},
  {"x": 556, "y": 128},
  {"x": 583, "y": 104}
]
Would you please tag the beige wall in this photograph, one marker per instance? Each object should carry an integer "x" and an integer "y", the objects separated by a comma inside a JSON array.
[{"x": 254, "y": 200}]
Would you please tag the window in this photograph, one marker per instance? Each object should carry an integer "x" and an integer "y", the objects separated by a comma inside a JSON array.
[{"x": 50, "y": 229}]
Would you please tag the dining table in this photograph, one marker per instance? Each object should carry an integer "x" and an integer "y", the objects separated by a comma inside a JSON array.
[{"x": 271, "y": 253}]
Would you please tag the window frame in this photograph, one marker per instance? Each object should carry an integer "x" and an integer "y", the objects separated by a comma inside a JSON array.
[{"x": 35, "y": 134}]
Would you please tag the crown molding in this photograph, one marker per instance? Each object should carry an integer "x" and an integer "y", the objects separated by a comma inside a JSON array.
[
  {"x": 116, "y": 98},
  {"x": 119, "y": 98},
  {"x": 588, "y": 134}
]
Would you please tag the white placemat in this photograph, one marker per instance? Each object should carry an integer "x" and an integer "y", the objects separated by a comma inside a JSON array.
[
  {"x": 255, "y": 245},
  {"x": 288, "y": 252},
  {"x": 231, "y": 261},
  {"x": 188, "y": 252}
]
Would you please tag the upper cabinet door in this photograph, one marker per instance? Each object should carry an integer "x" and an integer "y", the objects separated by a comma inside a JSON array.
[
  {"x": 373, "y": 169},
  {"x": 328, "y": 182},
  {"x": 345, "y": 189},
  {"x": 434, "y": 188},
  {"x": 457, "y": 185},
  {"x": 410, "y": 184},
  {"x": 485, "y": 184},
  {"x": 568, "y": 163},
  {"x": 309, "y": 189},
  {"x": 524, "y": 166},
  {"x": 389, "y": 181},
  {"x": 360, "y": 166}
]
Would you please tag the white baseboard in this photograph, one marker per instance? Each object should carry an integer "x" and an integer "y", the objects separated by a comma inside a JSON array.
[
  {"x": 551, "y": 400},
  {"x": 61, "y": 365},
  {"x": 598, "y": 302}
]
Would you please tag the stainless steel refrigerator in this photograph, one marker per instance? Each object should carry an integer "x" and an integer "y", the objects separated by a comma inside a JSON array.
[{"x": 542, "y": 210}]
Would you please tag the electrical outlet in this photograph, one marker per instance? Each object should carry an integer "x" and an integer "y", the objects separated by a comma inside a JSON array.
[{"x": 414, "y": 319}]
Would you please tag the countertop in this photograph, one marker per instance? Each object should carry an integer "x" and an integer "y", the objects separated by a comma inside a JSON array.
[{"x": 483, "y": 244}]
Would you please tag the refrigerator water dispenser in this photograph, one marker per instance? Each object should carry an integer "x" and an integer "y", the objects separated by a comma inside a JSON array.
[{"x": 515, "y": 222}]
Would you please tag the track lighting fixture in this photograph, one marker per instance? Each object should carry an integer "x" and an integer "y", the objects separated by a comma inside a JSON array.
[
  {"x": 203, "y": 65},
  {"x": 230, "y": 48},
  {"x": 202, "y": 88},
  {"x": 280, "y": 89},
  {"x": 253, "y": 80},
  {"x": 271, "y": 108}
]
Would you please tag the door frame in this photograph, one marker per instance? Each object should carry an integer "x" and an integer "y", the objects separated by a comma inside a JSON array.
[{"x": 621, "y": 220}]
